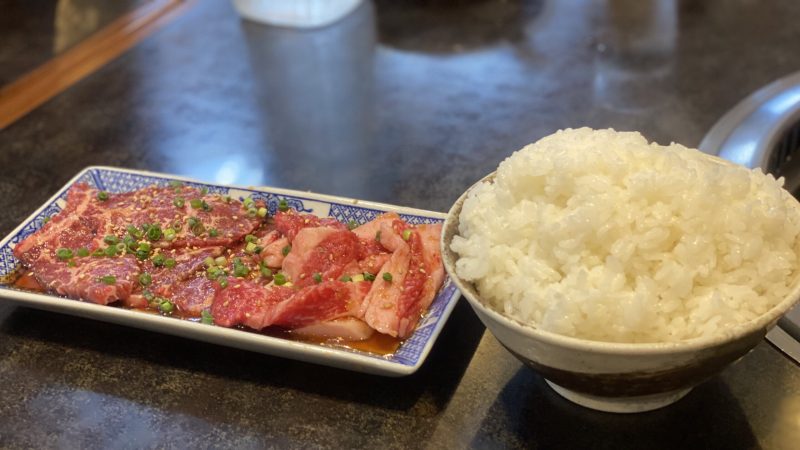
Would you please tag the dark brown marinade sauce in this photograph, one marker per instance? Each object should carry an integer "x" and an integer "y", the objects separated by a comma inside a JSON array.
[{"x": 379, "y": 343}]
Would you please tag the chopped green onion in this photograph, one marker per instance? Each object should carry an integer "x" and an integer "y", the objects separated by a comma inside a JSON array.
[
  {"x": 111, "y": 250},
  {"x": 145, "y": 227},
  {"x": 102, "y": 196},
  {"x": 204, "y": 190},
  {"x": 258, "y": 249},
  {"x": 250, "y": 238},
  {"x": 378, "y": 236},
  {"x": 250, "y": 248},
  {"x": 196, "y": 203},
  {"x": 280, "y": 279},
  {"x": 247, "y": 203},
  {"x": 206, "y": 317},
  {"x": 358, "y": 277},
  {"x": 148, "y": 295},
  {"x": 64, "y": 254},
  {"x": 159, "y": 260},
  {"x": 143, "y": 251},
  {"x": 223, "y": 282},
  {"x": 134, "y": 232},
  {"x": 145, "y": 279},
  {"x": 262, "y": 212},
  {"x": 345, "y": 278},
  {"x": 121, "y": 247},
  {"x": 175, "y": 183},
  {"x": 209, "y": 262},
  {"x": 214, "y": 272},
  {"x": 108, "y": 279},
  {"x": 213, "y": 232},
  {"x": 177, "y": 225},
  {"x": 351, "y": 224},
  {"x": 406, "y": 235},
  {"x": 166, "y": 307},
  {"x": 252, "y": 212},
  {"x": 98, "y": 252},
  {"x": 154, "y": 233},
  {"x": 266, "y": 272},
  {"x": 196, "y": 226},
  {"x": 317, "y": 277},
  {"x": 221, "y": 261},
  {"x": 129, "y": 241},
  {"x": 169, "y": 234},
  {"x": 205, "y": 206},
  {"x": 387, "y": 277},
  {"x": 369, "y": 277},
  {"x": 179, "y": 202},
  {"x": 227, "y": 198},
  {"x": 46, "y": 219},
  {"x": 157, "y": 301},
  {"x": 240, "y": 270},
  {"x": 72, "y": 263},
  {"x": 283, "y": 205},
  {"x": 170, "y": 263},
  {"x": 83, "y": 251},
  {"x": 110, "y": 239},
  {"x": 285, "y": 251}
]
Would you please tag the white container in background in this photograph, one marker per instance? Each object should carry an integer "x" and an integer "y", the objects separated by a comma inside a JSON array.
[{"x": 295, "y": 13}]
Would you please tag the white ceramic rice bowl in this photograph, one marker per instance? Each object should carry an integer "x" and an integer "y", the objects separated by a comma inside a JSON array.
[{"x": 614, "y": 377}]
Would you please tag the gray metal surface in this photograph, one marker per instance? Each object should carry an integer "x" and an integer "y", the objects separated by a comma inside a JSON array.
[{"x": 762, "y": 131}]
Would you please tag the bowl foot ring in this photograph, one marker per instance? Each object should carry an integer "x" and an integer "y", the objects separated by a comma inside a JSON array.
[{"x": 621, "y": 404}]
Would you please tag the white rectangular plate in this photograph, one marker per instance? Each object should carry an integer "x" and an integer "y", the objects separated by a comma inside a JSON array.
[{"x": 406, "y": 360}]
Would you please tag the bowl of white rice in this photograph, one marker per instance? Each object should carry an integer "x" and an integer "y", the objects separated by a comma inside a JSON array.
[{"x": 625, "y": 272}]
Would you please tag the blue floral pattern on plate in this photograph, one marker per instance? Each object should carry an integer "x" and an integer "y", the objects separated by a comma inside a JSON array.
[{"x": 404, "y": 361}]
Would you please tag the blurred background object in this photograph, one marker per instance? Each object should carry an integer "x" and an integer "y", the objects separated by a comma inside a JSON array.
[
  {"x": 58, "y": 25},
  {"x": 295, "y": 13},
  {"x": 315, "y": 89},
  {"x": 633, "y": 59}
]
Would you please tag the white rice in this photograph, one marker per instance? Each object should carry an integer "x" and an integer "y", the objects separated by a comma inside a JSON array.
[{"x": 600, "y": 235}]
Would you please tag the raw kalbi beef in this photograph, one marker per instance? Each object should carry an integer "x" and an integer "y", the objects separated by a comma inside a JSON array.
[
  {"x": 380, "y": 307},
  {"x": 322, "y": 252},
  {"x": 394, "y": 307},
  {"x": 257, "y": 306},
  {"x": 167, "y": 281},
  {"x": 431, "y": 272},
  {"x": 80, "y": 225},
  {"x": 194, "y": 295},
  {"x": 86, "y": 220},
  {"x": 314, "y": 302},
  {"x": 373, "y": 255},
  {"x": 172, "y": 208},
  {"x": 273, "y": 245},
  {"x": 290, "y": 222},
  {"x": 86, "y": 278},
  {"x": 247, "y": 303}
]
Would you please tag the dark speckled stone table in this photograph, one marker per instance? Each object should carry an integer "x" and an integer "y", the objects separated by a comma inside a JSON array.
[{"x": 401, "y": 103}]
